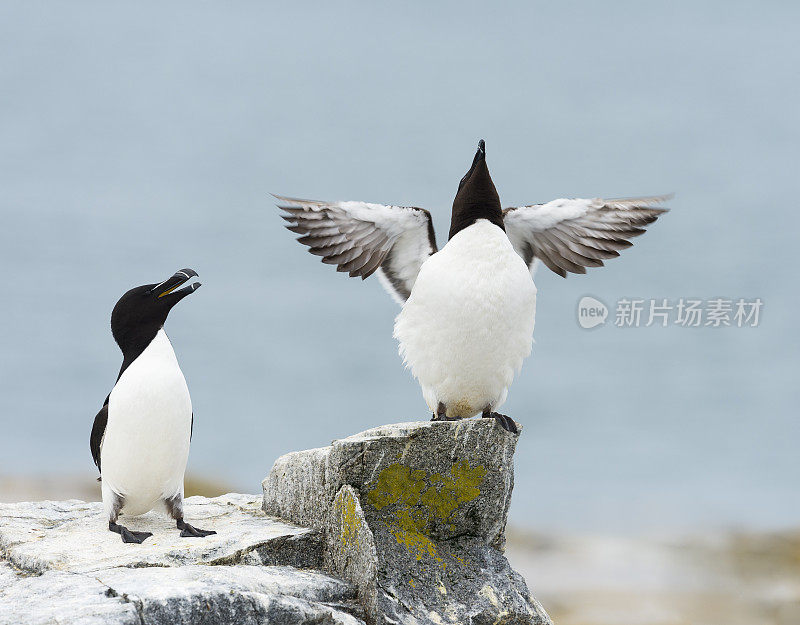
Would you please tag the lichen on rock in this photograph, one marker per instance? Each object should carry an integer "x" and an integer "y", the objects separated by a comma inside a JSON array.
[
  {"x": 401, "y": 524},
  {"x": 414, "y": 516},
  {"x": 412, "y": 499}
]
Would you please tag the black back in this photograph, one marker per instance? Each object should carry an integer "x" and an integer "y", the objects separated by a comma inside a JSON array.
[{"x": 476, "y": 197}]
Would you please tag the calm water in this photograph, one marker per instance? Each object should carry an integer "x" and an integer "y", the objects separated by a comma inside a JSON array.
[{"x": 136, "y": 142}]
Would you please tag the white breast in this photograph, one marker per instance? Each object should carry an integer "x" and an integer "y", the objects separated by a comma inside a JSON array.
[
  {"x": 146, "y": 442},
  {"x": 468, "y": 324}
]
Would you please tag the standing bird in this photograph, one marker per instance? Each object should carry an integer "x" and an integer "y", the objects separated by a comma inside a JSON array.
[
  {"x": 140, "y": 437},
  {"x": 468, "y": 310}
]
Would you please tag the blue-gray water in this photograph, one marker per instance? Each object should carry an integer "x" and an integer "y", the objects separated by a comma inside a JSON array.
[{"x": 135, "y": 141}]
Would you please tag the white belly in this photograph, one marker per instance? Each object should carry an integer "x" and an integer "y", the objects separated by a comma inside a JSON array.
[
  {"x": 146, "y": 442},
  {"x": 468, "y": 323}
]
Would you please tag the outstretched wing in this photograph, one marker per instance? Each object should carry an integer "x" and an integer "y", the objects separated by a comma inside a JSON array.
[
  {"x": 570, "y": 235},
  {"x": 362, "y": 238},
  {"x": 98, "y": 430}
]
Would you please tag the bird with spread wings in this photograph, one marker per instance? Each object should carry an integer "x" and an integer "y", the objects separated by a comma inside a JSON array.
[{"x": 566, "y": 235}]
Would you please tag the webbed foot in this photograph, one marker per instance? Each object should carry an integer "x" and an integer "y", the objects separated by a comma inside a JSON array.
[
  {"x": 127, "y": 535},
  {"x": 507, "y": 423},
  {"x": 189, "y": 531}
]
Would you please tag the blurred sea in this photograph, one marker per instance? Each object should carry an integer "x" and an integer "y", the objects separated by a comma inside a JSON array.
[{"x": 138, "y": 140}]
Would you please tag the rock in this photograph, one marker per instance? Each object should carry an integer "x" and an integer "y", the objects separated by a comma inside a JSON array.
[
  {"x": 58, "y": 597},
  {"x": 401, "y": 524},
  {"x": 351, "y": 549},
  {"x": 414, "y": 516},
  {"x": 73, "y": 536},
  {"x": 61, "y": 564},
  {"x": 168, "y": 595}
]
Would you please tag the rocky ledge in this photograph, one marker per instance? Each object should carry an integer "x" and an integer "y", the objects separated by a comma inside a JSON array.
[
  {"x": 413, "y": 515},
  {"x": 60, "y": 564},
  {"x": 400, "y": 524}
]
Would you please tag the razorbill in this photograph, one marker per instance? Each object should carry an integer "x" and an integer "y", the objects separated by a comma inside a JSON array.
[
  {"x": 140, "y": 437},
  {"x": 468, "y": 310}
]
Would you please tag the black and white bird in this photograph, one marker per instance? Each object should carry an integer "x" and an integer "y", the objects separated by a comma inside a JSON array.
[
  {"x": 140, "y": 437},
  {"x": 468, "y": 309}
]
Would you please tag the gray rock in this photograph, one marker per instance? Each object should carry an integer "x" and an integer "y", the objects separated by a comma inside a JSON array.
[
  {"x": 73, "y": 536},
  {"x": 231, "y": 594},
  {"x": 351, "y": 549},
  {"x": 407, "y": 521},
  {"x": 59, "y": 597},
  {"x": 414, "y": 516},
  {"x": 305, "y": 471},
  {"x": 190, "y": 594},
  {"x": 60, "y": 564}
]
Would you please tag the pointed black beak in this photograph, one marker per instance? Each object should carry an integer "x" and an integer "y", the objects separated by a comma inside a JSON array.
[
  {"x": 480, "y": 156},
  {"x": 169, "y": 286}
]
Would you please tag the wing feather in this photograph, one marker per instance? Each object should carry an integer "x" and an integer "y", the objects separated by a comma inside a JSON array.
[
  {"x": 98, "y": 431},
  {"x": 361, "y": 238},
  {"x": 570, "y": 235}
]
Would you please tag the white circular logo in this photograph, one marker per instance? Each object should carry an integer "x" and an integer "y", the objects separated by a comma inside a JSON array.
[{"x": 591, "y": 312}]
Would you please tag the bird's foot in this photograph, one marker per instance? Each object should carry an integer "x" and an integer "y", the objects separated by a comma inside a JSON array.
[
  {"x": 127, "y": 535},
  {"x": 507, "y": 423},
  {"x": 441, "y": 414},
  {"x": 189, "y": 531},
  {"x": 444, "y": 418}
]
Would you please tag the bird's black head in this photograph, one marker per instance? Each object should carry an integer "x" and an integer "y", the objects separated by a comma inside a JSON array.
[
  {"x": 142, "y": 311},
  {"x": 476, "y": 197}
]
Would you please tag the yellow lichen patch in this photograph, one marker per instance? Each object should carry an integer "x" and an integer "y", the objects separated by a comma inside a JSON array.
[
  {"x": 467, "y": 480},
  {"x": 407, "y": 532},
  {"x": 447, "y": 492},
  {"x": 422, "y": 498},
  {"x": 397, "y": 484},
  {"x": 346, "y": 508}
]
